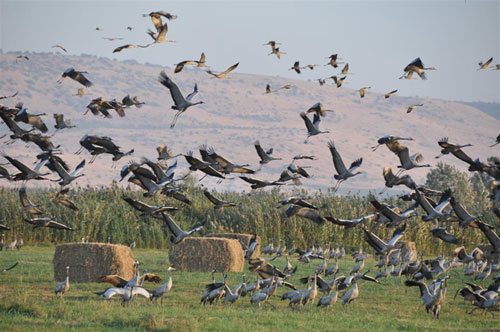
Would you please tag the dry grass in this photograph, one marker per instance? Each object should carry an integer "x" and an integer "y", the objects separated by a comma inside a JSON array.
[
  {"x": 203, "y": 254},
  {"x": 89, "y": 261}
]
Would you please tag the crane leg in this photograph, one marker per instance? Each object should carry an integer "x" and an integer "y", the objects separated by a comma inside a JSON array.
[
  {"x": 382, "y": 191},
  {"x": 175, "y": 119},
  {"x": 337, "y": 185}
]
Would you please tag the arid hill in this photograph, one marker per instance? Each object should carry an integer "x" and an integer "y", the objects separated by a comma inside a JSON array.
[{"x": 235, "y": 113}]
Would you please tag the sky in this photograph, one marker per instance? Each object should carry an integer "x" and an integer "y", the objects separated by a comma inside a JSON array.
[{"x": 377, "y": 38}]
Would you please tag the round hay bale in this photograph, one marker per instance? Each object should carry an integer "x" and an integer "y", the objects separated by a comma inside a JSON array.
[
  {"x": 245, "y": 238},
  {"x": 202, "y": 254},
  {"x": 89, "y": 261},
  {"x": 492, "y": 257},
  {"x": 409, "y": 246}
]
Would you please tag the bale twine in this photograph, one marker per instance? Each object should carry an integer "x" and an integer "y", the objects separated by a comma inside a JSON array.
[
  {"x": 409, "y": 246},
  {"x": 492, "y": 257},
  {"x": 89, "y": 261},
  {"x": 245, "y": 238},
  {"x": 203, "y": 254}
]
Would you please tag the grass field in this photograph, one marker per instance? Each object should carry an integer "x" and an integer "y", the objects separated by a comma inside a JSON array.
[{"x": 27, "y": 303}]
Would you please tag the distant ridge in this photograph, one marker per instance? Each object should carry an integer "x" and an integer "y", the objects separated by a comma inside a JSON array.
[{"x": 236, "y": 113}]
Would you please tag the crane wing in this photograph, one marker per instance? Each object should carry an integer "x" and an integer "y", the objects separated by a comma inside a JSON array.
[
  {"x": 172, "y": 226},
  {"x": 490, "y": 235},
  {"x": 80, "y": 78},
  {"x": 138, "y": 205},
  {"x": 389, "y": 175},
  {"x": 385, "y": 210},
  {"x": 396, "y": 147},
  {"x": 459, "y": 209},
  {"x": 223, "y": 162},
  {"x": 444, "y": 201},
  {"x": 342, "y": 222},
  {"x": 180, "y": 66},
  {"x": 242, "y": 170},
  {"x": 251, "y": 180},
  {"x": 230, "y": 69},
  {"x": 304, "y": 212},
  {"x": 337, "y": 159},
  {"x": 11, "y": 124},
  {"x": 211, "y": 171},
  {"x": 211, "y": 197},
  {"x": 260, "y": 151},
  {"x": 192, "y": 94},
  {"x": 151, "y": 277},
  {"x": 355, "y": 164},
  {"x": 174, "y": 89},
  {"x": 114, "y": 280},
  {"x": 374, "y": 241},
  {"x": 17, "y": 164},
  {"x": 59, "y": 169},
  {"x": 78, "y": 168},
  {"x": 424, "y": 203},
  {"x": 462, "y": 156},
  {"x": 24, "y": 198},
  {"x": 423, "y": 287},
  {"x": 57, "y": 225},
  {"x": 398, "y": 234},
  {"x": 310, "y": 127}
]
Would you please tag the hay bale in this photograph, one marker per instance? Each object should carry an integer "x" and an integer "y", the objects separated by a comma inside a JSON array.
[
  {"x": 206, "y": 253},
  {"x": 245, "y": 238},
  {"x": 492, "y": 257},
  {"x": 409, "y": 246},
  {"x": 89, "y": 261}
]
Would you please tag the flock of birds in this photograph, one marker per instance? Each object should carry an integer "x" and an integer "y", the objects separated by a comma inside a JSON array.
[{"x": 158, "y": 176}]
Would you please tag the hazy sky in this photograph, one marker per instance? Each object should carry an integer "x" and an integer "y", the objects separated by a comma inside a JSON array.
[{"x": 376, "y": 38}]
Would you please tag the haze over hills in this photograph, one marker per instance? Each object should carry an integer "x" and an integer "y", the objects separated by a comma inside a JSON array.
[{"x": 235, "y": 113}]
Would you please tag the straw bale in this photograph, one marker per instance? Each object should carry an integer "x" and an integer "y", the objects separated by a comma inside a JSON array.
[
  {"x": 245, "y": 238},
  {"x": 89, "y": 261},
  {"x": 206, "y": 253}
]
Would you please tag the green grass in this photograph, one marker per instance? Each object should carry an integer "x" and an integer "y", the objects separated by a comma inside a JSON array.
[{"x": 27, "y": 303}]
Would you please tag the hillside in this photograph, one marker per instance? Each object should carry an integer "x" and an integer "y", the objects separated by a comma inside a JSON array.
[
  {"x": 235, "y": 113},
  {"x": 492, "y": 109}
]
